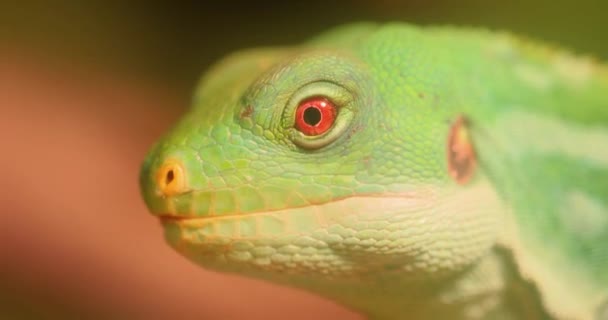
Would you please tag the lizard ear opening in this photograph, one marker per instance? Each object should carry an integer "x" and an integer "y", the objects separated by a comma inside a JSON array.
[{"x": 460, "y": 152}]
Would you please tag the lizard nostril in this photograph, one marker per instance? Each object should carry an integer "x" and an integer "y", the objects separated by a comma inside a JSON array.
[{"x": 170, "y": 179}]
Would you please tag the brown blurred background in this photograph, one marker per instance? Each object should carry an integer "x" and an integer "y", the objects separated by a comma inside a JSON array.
[{"x": 85, "y": 89}]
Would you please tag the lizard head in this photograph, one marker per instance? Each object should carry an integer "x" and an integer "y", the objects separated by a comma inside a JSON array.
[{"x": 329, "y": 159}]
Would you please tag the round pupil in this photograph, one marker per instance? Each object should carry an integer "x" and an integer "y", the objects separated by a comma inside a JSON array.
[{"x": 312, "y": 116}]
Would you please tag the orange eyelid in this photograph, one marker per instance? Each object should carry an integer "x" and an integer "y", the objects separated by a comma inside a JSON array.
[{"x": 170, "y": 178}]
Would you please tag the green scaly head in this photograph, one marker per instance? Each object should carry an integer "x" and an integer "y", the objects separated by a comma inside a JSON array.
[{"x": 341, "y": 163}]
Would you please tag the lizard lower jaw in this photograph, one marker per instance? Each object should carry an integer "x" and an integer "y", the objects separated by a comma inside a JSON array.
[{"x": 333, "y": 237}]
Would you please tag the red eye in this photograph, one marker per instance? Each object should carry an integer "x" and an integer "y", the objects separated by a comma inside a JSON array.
[{"x": 315, "y": 116}]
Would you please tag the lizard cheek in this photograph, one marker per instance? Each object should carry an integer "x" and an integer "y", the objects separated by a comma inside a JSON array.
[{"x": 170, "y": 178}]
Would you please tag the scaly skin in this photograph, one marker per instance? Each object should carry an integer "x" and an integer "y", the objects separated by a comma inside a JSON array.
[{"x": 465, "y": 175}]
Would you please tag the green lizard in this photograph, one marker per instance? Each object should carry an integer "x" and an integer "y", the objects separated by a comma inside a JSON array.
[{"x": 404, "y": 172}]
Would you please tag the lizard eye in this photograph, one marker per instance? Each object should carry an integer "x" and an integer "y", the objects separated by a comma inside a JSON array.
[{"x": 315, "y": 116}]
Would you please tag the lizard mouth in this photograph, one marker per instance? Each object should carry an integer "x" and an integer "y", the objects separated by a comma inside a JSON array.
[
  {"x": 198, "y": 221},
  {"x": 315, "y": 214},
  {"x": 194, "y": 221},
  {"x": 170, "y": 218},
  {"x": 293, "y": 220},
  {"x": 167, "y": 218}
]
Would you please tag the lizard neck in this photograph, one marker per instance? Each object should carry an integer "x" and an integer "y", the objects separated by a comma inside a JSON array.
[{"x": 489, "y": 289}]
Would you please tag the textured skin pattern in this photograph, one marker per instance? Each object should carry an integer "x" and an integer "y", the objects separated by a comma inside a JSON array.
[{"x": 367, "y": 213}]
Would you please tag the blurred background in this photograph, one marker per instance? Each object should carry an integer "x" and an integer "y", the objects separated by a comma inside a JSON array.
[{"x": 87, "y": 87}]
